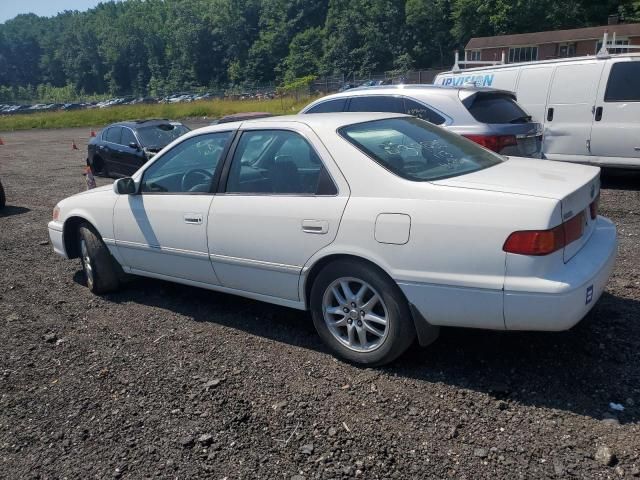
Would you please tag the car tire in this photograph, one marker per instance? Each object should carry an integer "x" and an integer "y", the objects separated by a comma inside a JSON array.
[
  {"x": 99, "y": 167},
  {"x": 3, "y": 199},
  {"x": 370, "y": 342},
  {"x": 101, "y": 271}
]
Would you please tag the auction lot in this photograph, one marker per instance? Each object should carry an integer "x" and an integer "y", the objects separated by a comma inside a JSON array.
[{"x": 169, "y": 381}]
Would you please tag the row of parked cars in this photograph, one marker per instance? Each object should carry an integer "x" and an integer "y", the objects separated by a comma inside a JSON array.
[
  {"x": 385, "y": 211},
  {"x": 11, "y": 109}
]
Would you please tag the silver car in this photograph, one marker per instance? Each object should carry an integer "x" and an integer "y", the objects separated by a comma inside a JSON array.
[{"x": 489, "y": 117}]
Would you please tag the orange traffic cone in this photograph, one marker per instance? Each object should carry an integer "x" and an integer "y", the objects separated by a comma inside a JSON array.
[
  {"x": 73, "y": 145},
  {"x": 1, "y": 142},
  {"x": 92, "y": 133}
]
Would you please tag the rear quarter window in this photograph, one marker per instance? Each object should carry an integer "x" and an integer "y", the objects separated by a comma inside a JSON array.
[
  {"x": 495, "y": 108},
  {"x": 624, "y": 83},
  {"x": 329, "y": 106}
]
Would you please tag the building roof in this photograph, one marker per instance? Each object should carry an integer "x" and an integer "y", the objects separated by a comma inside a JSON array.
[{"x": 554, "y": 36}]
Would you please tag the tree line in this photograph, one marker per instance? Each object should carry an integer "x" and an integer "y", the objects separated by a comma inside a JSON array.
[{"x": 158, "y": 46}]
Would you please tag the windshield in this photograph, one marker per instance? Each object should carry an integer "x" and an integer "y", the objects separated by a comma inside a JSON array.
[
  {"x": 416, "y": 150},
  {"x": 160, "y": 135}
]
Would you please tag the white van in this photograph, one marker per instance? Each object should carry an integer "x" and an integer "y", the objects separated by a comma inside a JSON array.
[{"x": 589, "y": 106}]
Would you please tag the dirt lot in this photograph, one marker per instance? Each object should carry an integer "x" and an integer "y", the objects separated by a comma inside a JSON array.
[{"x": 167, "y": 381}]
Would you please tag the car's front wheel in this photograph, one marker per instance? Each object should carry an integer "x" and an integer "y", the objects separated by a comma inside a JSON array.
[
  {"x": 100, "y": 268},
  {"x": 3, "y": 199},
  {"x": 99, "y": 167},
  {"x": 360, "y": 313}
]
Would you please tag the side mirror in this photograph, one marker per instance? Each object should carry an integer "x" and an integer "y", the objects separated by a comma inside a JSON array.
[
  {"x": 134, "y": 145},
  {"x": 125, "y": 186}
]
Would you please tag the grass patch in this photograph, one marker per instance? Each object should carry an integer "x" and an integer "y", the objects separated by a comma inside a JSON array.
[{"x": 97, "y": 117}]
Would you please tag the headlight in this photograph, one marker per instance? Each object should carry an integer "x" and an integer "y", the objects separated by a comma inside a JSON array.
[{"x": 56, "y": 212}]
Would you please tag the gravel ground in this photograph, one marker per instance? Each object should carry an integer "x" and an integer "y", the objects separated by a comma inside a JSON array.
[{"x": 162, "y": 380}]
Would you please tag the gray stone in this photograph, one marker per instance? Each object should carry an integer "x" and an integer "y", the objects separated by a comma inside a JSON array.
[
  {"x": 307, "y": 449},
  {"x": 186, "y": 442},
  {"x": 480, "y": 452},
  {"x": 50, "y": 337},
  {"x": 605, "y": 456},
  {"x": 205, "y": 439}
]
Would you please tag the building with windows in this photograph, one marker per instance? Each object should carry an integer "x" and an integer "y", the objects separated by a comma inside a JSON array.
[{"x": 526, "y": 47}]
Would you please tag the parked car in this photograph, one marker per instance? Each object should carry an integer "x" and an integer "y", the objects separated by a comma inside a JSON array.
[
  {"x": 383, "y": 225},
  {"x": 3, "y": 198},
  {"x": 490, "y": 118},
  {"x": 122, "y": 148},
  {"x": 589, "y": 106}
]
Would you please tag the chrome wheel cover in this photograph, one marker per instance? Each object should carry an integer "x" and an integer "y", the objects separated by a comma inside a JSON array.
[
  {"x": 86, "y": 263},
  {"x": 355, "y": 314}
]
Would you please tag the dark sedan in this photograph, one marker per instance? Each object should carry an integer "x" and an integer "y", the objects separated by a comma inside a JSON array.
[{"x": 122, "y": 148}]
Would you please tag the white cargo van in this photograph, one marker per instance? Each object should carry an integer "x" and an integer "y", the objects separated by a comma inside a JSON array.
[{"x": 589, "y": 106}]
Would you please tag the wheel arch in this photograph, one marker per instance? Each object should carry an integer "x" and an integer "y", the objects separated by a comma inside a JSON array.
[
  {"x": 70, "y": 232},
  {"x": 426, "y": 332},
  {"x": 317, "y": 266}
]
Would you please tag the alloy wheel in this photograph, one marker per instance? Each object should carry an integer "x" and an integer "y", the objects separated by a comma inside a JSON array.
[{"x": 355, "y": 314}]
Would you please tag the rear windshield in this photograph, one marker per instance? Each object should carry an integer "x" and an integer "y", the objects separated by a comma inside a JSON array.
[
  {"x": 416, "y": 150},
  {"x": 160, "y": 135},
  {"x": 495, "y": 108}
]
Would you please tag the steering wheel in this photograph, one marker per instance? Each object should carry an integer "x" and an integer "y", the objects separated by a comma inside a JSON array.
[{"x": 188, "y": 182}]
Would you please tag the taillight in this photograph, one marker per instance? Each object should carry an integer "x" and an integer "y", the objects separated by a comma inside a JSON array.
[
  {"x": 545, "y": 242},
  {"x": 494, "y": 142},
  {"x": 56, "y": 212},
  {"x": 593, "y": 208}
]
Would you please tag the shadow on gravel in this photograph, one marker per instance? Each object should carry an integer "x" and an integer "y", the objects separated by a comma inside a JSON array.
[
  {"x": 620, "y": 179},
  {"x": 10, "y": 210},
  {"x": 580, "y": 371}
]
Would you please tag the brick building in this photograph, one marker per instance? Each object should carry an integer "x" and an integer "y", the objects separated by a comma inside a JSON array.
[{"x": 526, "y": 47}]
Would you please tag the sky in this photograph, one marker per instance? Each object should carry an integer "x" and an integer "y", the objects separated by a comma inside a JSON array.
[{"x": 47, "y": 8}]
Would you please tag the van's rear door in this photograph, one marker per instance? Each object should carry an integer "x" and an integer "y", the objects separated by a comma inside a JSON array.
[{"x": 615, "y": 135}]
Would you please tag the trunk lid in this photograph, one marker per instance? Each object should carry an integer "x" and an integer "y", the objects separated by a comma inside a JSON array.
[{"x": 575, "y": 186}]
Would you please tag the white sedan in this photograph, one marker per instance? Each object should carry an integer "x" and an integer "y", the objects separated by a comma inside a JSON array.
[{"x": 384, "y": 226}]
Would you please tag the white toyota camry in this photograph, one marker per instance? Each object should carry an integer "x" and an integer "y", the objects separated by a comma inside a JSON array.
[{"x": 384, "y": 226}]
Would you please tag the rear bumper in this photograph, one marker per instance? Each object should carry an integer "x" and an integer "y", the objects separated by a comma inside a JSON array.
[
  {"x": 55, "y": 235},
  {"x": 570, "y": 293}
]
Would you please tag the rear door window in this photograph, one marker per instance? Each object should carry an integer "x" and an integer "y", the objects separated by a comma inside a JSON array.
[
  {"x": 114, "y": 135},
  {"x": 495, "y": 108},
  {"x": 411, "y": 107},
  {"x": 624, "y": 83},
  {"x": 376, "y": 103},
  {"x": 329, "y": 106}
]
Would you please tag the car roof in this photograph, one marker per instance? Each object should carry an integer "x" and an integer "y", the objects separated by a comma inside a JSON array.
[
  {"x": 409, "y": 91},
  {"x": 315, "y": 121},
  {"x": 143, "y": 123}
]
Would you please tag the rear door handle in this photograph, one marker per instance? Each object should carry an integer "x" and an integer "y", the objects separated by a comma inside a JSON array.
[
  {"x": 193, "y": 218},
  {"x": 315, "y": 226}
]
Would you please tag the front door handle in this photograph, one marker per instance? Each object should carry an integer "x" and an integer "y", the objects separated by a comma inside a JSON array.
[
  {"x": 550, "y": 114},
  {"x": 193, "y": 218},
  {"x": 315, "y": 226},
  {"x": 598, "y": 114}
]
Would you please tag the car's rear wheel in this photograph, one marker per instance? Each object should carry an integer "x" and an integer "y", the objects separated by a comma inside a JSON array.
[
  {"x": 3, "y": 199},
  {"x": 100, "y": 268},
  {"x": 360, "y": 313}
]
